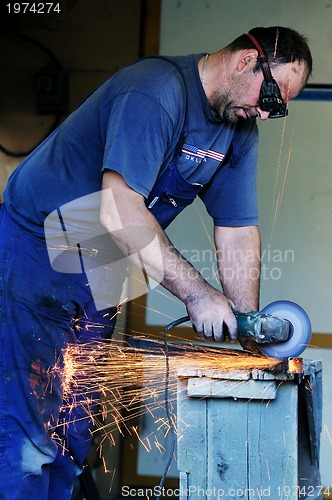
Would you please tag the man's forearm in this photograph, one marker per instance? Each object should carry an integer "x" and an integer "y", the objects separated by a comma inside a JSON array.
[
  {"x": 238, "y": 253},
  {"x": 142, "y": 239}
]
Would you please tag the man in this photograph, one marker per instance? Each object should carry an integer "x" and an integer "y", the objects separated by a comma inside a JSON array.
[{"x": 155, "y": 135}]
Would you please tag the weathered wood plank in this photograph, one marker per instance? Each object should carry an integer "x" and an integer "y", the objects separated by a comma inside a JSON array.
[
  {"x": 192, "y": 439},
  {"x": 227, "y": 452},
  {"x": 247, "y": 389},
  {"x": 272, "y": 442}
]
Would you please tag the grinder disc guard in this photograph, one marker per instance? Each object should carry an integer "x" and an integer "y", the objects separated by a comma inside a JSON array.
[{"x": 301, "y": 330}]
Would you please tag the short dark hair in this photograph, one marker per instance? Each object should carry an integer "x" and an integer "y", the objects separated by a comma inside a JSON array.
[{"x": 281, "y": 45}]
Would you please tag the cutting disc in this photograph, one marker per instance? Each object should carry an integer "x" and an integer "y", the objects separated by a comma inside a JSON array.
[{"x": 301, "y": 330}]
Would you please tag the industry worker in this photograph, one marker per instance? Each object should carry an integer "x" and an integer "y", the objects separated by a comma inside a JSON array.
[{"x": 153, "y": 137}]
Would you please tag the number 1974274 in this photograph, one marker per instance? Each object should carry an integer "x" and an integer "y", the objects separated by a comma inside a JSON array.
[{"x": 33, "y": 8}]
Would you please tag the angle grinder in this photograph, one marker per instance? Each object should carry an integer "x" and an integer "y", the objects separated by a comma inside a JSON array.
[
  {"x": 281, "y": 329},
  {"x": 293, "y": 334}
]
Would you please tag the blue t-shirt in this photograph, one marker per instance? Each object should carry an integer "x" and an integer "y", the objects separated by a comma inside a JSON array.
[{"x": 132, "y": 124}]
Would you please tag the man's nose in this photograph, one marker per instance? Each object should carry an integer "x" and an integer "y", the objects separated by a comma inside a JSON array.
[{"x": 263, "y": 115}]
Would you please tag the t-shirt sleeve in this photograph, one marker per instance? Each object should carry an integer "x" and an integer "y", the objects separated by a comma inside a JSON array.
[
  {"x": 140, "y": 136},
  {"x": 230, "y": 197}
]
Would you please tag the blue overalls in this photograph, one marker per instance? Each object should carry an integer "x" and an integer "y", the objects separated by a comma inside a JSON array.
[
  {"x": 41, "y": 311},
  {"x": 172, "y": 193}
]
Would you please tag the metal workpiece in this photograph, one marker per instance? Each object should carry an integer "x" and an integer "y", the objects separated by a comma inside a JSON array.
[{"x": 285, "y": 370}]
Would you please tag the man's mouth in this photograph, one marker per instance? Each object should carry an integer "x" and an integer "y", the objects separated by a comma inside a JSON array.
[
  {"x": 247, "y": 115},
  {"x": 244, "y": 114}
]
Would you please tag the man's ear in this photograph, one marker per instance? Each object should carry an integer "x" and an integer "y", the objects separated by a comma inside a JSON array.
[{"x": 247, "y": 59}]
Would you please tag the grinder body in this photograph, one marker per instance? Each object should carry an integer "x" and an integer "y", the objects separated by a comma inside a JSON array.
[
  {"x": 281, "y": 330},
  {"x": 263, "y": 328}
]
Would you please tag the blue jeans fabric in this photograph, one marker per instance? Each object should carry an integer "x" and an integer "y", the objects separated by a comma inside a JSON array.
[{"x": 39, "y": 309}]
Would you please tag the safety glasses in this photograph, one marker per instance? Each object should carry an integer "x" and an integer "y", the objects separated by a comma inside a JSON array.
[{"x": 270, "y": 96}]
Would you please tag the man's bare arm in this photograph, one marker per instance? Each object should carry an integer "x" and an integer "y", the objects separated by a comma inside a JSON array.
[{"x": 238, "y": 254}]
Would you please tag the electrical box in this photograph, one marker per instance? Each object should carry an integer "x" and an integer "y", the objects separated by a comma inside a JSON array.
[{"x": 52, "y": 92}]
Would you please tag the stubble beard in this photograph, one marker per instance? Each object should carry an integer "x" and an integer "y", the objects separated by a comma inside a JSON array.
[{"x": 222, "y": 108}]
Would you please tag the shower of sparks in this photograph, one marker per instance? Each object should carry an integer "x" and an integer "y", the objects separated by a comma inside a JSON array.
[{"x": 116, "y": 381}]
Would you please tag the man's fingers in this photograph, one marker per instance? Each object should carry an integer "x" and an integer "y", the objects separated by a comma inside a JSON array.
[
  {"x": 218, "y": 332},
  {"x": 199, "y": 329},
  {"x": 212, "y": 319},
  {"x": 209, "y": 331},
  {"x": 231, "y": 323},
  {"x": 204, "y": 331}
]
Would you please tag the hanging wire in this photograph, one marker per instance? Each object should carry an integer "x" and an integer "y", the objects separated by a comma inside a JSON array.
[
  {"x": 168, "y": 414},
  {"x": 57, "y": 65}
]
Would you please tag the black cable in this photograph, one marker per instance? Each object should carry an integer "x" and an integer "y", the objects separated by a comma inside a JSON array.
[
  {"x": 170, "y": 421},
  {"x": 33, "y": 41},
  {"x": 56, "y": 63}
]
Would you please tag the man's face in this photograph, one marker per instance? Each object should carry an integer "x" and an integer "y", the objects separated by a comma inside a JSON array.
[{"x": 242, "y": 98}]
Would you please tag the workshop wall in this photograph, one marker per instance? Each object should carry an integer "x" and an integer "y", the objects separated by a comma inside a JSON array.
[{"x": 90, "y": 40}]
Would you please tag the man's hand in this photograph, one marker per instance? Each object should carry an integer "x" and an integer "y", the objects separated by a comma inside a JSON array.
[{"x": 211, "y": 315}]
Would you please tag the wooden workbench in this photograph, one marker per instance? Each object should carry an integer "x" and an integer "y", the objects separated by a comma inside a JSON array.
[{"x": 249, "y": 433}]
